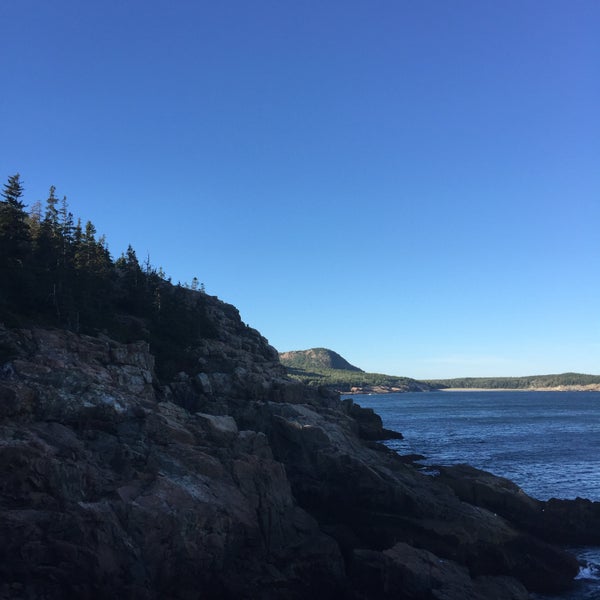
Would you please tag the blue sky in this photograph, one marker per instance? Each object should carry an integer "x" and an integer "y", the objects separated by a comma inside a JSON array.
[{"x": 415, "y": 185}]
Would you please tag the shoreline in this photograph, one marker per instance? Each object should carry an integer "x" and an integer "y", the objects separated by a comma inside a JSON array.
[
  {"x": 592, "y": 387},
  {"x": 486, "y": 390}
]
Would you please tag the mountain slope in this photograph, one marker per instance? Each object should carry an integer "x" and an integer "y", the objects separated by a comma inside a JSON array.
[{"x": 316, "y": 359}]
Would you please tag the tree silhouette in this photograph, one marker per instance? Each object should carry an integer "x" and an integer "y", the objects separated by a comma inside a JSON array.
[
  {"x": 56, "y": 273},
  {"x": 15, "y": 244}
]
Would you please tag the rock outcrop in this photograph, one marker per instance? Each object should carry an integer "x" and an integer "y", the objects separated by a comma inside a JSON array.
[
  {"x": 232, "y": 481},
  {"x": 570, "y": 522}
]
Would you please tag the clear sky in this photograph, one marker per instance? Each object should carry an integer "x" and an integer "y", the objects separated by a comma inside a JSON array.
[{"x": 415, "y": 185}]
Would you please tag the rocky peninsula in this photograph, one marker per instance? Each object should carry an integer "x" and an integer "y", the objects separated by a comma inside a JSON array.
[{"x": 231, "y": 480}]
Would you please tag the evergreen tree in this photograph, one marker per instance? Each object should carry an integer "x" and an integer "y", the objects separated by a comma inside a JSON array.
[
  {"x": 35, "y": 219},
  {"x": 56, "y": 273},
  {"x": 51, "y": 215},
  {"x": 14, "y": 231},
  {"x": 13, "y": 191},
  {"x": 85, "y": 249},
  {"x": 66, "y": 231},
  {"x": 93, "y": 279},
  {"x": 48, "y": 241},
  {"x": 78, "y": 234},
  {"x": 53, "y": 291},
  {"x": 134, "y": 295},
  {"x": 15, "y": 244}
]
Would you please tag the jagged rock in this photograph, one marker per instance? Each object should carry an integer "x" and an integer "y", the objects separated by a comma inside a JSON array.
[
  {"x": 233, "y": 482},
  {"x": 366, "y": 499},
  {"x": 121, "y": 494},
  {"x": 494, "y": 493},
  {"x": 572, "y": 521},
  {"x": 566, "y": 521},
  {"x": 203, "y": 382},
  {"x": 370, "y": 425},
  {"x": 420, "y": 574},
  {"x": 221, "y": 428},
  {"x": 151, "y": 511}
]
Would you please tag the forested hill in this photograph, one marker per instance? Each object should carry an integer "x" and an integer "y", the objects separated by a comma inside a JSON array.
[
  {"x": 322, "y": 367},
  {"x": 563, "y": 380},
  {"x": 56, "y": 272},
  {"x": 316, "y": 358}
]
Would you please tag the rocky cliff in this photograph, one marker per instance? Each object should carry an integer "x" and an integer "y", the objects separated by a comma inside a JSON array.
[{"x": 233, "y": 481}]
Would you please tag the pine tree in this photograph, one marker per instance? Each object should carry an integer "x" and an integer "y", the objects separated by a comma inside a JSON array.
[
  {"x": 51, "y": 215},
  {"x": 66, "y": 230},
  {"x": 14, "y": 230},
  {"x": 84, "y": 251},
  {"x": 13, "y": 191},
  {"x": 48, "y": 245},
  {"x": 15, "y": 242},
  {"x": 35, "y": 219},
  {"x": 132, "y": 281}
]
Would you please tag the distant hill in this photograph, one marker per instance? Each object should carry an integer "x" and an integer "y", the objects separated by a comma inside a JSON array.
[
  {"x": 323, "y": 367},
  {"x": 563, "y": 380},
  {"x": 316, "y": 359}
]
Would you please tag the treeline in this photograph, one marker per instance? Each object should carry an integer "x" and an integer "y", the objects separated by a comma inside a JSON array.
[
  {"x": 529, "y": 382},
  {"x": 55, "y": 271},
  {"x": 344, "y": 380}
]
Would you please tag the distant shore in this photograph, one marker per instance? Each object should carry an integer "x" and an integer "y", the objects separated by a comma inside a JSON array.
[
  {"x": 457, "y": 389},
  {"x": 592, "y": 387}
]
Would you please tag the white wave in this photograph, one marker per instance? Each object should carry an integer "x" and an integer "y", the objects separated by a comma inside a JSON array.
[{"x": 590, "y": 571}]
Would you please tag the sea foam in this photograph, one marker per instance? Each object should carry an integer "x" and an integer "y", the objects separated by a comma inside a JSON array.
[{"x": 589, "y": 571}]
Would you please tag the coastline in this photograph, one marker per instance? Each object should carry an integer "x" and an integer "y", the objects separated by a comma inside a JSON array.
[
  {"x": 592, "y": 387},
  {"x": 486, "y": 390}
]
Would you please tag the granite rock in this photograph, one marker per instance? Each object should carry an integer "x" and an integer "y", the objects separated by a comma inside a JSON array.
[{"x": 236, "y": 482}]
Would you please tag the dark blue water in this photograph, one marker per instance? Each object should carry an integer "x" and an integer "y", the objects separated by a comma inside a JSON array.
[{"x": 548, "y": 443}]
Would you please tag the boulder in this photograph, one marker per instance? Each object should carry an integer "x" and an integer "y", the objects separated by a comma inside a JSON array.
[
  {"x": 574, "y": 522},
  {"x": 421, "y": 574},
  {"x": 370, "y": 425},
  {"x": 571, "y": 521}
]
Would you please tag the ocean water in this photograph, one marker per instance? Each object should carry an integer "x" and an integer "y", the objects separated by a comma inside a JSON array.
[{"x": 548, "y": 443}]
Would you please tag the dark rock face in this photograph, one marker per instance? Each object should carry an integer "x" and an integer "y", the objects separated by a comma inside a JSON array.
[
  {"x": 109, "y": 490},
  {"x": 572, "y": 522},
  {"x": 421, "y": 574},
  {"x": 236, "y": 482},
  {"x": 370, "y": 426}
]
